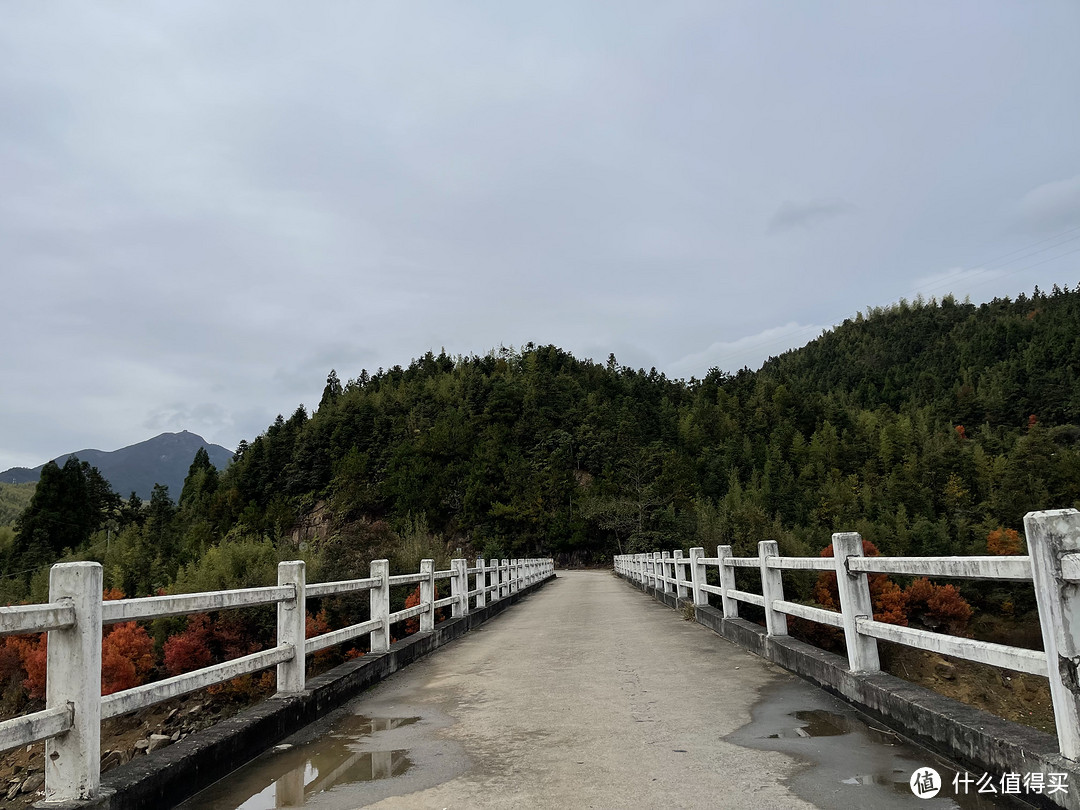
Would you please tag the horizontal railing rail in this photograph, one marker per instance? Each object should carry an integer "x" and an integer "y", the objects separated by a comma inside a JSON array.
[
  {"x": 1053, "y": 567},
  {"x": 75, "y": 615}
]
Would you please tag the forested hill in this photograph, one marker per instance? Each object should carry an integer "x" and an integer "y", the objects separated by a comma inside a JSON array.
[
  {"x": 925, "y": 426},
  {"x": 999, "y": 362}
]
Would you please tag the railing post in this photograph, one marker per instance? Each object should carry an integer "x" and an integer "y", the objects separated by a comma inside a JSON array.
[
  {"x": 504, "y": 579},
  {"x": 380, "y": 605},
  {"x": 1053, "y": 536},
  {"x": 854, "y": 590},
  {"x": 727, "y": 582},
  {"x": 665, "y": 557},
  {"x": 292, "y": 627},
  {"x": 681, "y": 590},
  {"x": 697, "y": 575},
  {"x": 459, "y": 587},
  {"x": 481, "y": 583},
  {"x": 74, "y": 679},
  {"x": 772, "y": 588},
  {"x": 427, "y": 595}
]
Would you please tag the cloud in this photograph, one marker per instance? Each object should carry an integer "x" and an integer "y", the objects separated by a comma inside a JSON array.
[
  {"x": 955, "y": 280},
  {"x": 750, "y": 350},
  {"x": 1052, "y": 206},
  {"x": 791, "y": 215}
]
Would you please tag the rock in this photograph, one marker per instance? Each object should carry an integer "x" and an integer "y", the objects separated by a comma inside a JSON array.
[
  {"x": 110, "y": 760},
  {"x": 945, "y": 670},
  {"x": 141, "y": 746},
  {"x": 35, "y": 781},
  {"x": 158, "y": 741},
  {"x": 176, "y": 736},
  {"x": 13, "y": 791},
  {"x": 172, "y": 714}
]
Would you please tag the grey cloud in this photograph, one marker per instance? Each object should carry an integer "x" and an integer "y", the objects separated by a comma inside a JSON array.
[
  {"x": 791, "y": 215},
  {"x": 205, "y": 206},
  {"x": 1051, "y": 206}
]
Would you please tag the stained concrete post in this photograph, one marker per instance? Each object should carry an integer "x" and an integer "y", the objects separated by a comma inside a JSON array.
[
  {"x": 73, "y": 665},
  {"x": 380, "y": 605},
  {"x": 727, "y": 582},
  {"x": 656, "y": 572},
  {"x": 481, "y": 582},
  {"x": 1053, "y": 539},
  {"x": 665, "y": 556},
  {"x": 459, "y": 587},
  {"x": 292, "y": 627},
  {"x": 854, "y": 589},
  {"x": 772, "y": 588},
  {"x": 681, "y": 591},
  {"x": 427, "y": 595},
  {"x": 698, "y": 576},
  {"x": 504, "y": 579}
]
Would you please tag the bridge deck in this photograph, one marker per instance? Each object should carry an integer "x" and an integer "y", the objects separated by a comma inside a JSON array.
[{"x": 587, "y": 694}]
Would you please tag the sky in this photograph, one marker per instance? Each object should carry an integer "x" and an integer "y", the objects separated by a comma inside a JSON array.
[{"x": 206, "y": 206}]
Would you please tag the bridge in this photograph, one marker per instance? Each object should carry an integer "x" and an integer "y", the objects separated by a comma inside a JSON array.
[{"x": 584, "y": 693}]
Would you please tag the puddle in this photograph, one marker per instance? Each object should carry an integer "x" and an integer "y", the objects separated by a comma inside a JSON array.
[
  {"x": 851, "y": 761},
  {"x": 817, "y": 723},
  {"x": 293, "y": 775}
]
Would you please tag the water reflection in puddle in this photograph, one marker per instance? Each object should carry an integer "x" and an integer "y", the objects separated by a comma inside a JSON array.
[
  {"x": 853, "y": 763},
  {"x": 291, "y": 775}
]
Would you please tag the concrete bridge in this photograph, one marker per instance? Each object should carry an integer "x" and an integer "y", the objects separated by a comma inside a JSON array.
[
  {"x": 584, "y": 692},
  {"x": 585, "y": 695},
  {"x": 590, "y": 694}
]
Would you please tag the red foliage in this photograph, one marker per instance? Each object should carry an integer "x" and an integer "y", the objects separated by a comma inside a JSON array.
[
  {"x": 1032, "y": 421},
  {"x": 33, "y": 658},
  {"x": 960, "y": 432},
  {"x": 127, "y": 657},
  {"x": 885, "y": 595},
  {"x": 190, "y": 649},
  {"x": 230, "y": 638},
  {"x": 938, "y": 606},
  {"x": 10, "y": 663},
  {"x": 413, "y": 625},
  {"x": 317, "y": 625},
  {"x": 1002, "y": 541},
  {"x": 112, "y": 594}
]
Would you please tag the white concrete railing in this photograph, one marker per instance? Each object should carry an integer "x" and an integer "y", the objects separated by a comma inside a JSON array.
[
  {"x": 75, "y": 613},
  {"x": 1053, "y": 566}
]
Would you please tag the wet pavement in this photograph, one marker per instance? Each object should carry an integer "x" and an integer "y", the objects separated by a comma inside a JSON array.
[
  {"x": 589, "y": 694},
  {"x": 851, "y": 761}
]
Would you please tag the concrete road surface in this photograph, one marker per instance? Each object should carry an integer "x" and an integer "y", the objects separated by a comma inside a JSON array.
[{"x": 588, "y": 694}]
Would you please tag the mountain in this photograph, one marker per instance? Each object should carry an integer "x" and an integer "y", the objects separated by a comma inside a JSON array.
[{"x": 164, "y": 459}]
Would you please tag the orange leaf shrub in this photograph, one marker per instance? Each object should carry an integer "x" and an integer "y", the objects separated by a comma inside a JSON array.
[
  {"x": 1002, "y": 542},
  {"x": 33, "y": 657},
  {"x": 938, "y": 606},
  {"x": 885, "y": 595},
  {"x": 127, "y": 657}
]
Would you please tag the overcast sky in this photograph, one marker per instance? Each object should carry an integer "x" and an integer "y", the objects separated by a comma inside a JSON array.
[{"x": 206, "y": 206}]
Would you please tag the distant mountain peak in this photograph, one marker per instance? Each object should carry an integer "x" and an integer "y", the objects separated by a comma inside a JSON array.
[{"x": 163, "y": 459}]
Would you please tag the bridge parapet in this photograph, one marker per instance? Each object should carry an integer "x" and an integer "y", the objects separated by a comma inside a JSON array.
[
  {"x": 1053, "y": 567},
  {"x": 75, "y": 614}
]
